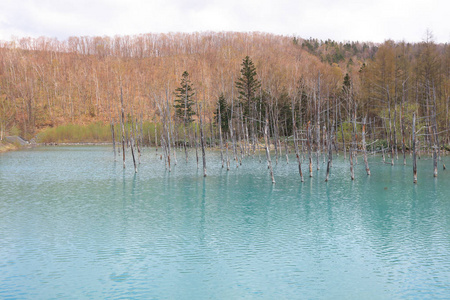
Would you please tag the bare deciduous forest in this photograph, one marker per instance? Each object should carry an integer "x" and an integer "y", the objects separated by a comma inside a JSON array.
[{"x": 242, "y": 87}]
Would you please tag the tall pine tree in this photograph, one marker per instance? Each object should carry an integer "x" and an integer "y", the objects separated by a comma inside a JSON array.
[
  {"x": 184, "y": 103},
  {"x": 247, "y": 85},
  {"x": 223, "y": 111}
]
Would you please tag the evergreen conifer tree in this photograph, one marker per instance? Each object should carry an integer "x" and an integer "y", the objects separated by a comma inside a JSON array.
[
  {"x": 347, "y": 83},
  {"x": 184, "y": 103},
  {"x": 247, "y": 85},
  {"x": 222, "y": 110}
]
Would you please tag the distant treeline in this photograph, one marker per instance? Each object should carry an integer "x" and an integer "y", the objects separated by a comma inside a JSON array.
[{"x": 47, "y": 83}]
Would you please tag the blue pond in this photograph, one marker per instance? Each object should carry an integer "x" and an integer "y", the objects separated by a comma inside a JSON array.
[{"x": 75, "y": 225}]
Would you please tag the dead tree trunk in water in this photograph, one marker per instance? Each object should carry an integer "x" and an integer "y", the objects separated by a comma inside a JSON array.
[
  {"x": 184, "y": 144},
  {"x": 391, "y": 140},
  {"x": 185, "y": 123},
  {"x": 318, "y": 124},
  {"x": 330, "y": 151},
  {"x": 402, "y": 122},
  {"x": 353, "y": 146},
  {"x": 299, "y": 161},
  {"x": 196, "y": 142},
  {"x": 342, "y": 133},
  {"x": 286, "y": 143},
  {"x": 364, "y": 146},
  {"x": 165, "y": 133},
  {"x": 230, "y": 125},
  {"x": 202, "y": 140},
  {"x": 435, "y": 161},
  {"x": 228, "y": 158},
  {"x": 403, "y": 136},
  {"x": 122, "y": 121},
  {"x": 138, "y": 143},
  {"x": 241, "y": 136},
  {"x": 352, "y": 172},
  {"x": 220, "y": 136},
  {"x": 436, "y": 147},
  {"x": 141, "y": 137},
  {"x": 308, "y": 142},
  {"x": 414, "y": 148},
  {"x": 132, "y": 142},
  {"x": 433, "y": 139},
  {"x": 168, "y": 128},
  {"x": 318, "y": 143},
  {"x": 266, "y": 138},
  {"x": 395, "y": 132},
  {"x": 212, "y": 139},
  {"x": 156, "y": 139}
]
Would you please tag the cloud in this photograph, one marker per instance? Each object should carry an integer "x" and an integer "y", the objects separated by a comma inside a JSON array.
[{"x": 340, "y": 20}]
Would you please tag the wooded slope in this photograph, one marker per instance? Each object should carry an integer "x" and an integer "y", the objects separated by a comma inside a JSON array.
[{"x": 45, "y": 82}]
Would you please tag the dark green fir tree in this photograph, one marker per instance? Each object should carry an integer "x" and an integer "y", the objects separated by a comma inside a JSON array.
[
  {"x": 184, "y": 102},
  {"x": 347, "y": 83},
  {"x": 247, "y": 85},
  {"x": 223, "y": 111}
]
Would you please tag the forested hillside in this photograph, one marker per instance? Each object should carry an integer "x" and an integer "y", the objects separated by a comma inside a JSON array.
[{"x": 46, "y": 83}]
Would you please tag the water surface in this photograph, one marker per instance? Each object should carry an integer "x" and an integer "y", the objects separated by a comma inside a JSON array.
[{"x": 74, "y": 225}]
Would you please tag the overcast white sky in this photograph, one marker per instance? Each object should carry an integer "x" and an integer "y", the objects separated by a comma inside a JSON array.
[{"x": 363, "y": 20}]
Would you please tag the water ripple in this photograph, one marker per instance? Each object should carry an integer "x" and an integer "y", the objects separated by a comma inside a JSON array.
[{"x": 72, "y": 212}]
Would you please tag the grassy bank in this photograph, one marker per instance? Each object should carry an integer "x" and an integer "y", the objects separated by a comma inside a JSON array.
[
  {"x": 98, "y": 132},
  {"x": 5, "y": 146},
  {"x": 71, "y": 133}
]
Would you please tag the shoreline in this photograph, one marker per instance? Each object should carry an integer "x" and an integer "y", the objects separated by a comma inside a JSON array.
[
  {"x": 75, "y": 144},
  {"x": 444, "y": 150},
  {"x": 6, "y": 147}
]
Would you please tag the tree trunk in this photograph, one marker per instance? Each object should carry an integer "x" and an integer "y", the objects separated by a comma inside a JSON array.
[
  {"x": 364, "y": 146},
  {"x": 266, "y": 138},
  {"x": 414, "y": 148},
  {"x": 308, "y": 142},
  {"x": 403, "y": 135},
  {"x": 156, "y": 139},
  {"x": 228, "y": 157},
  {"x": 122, "y": 120},
  {"x": 220, "y": 137},
  {"x": 196, "y": 142},
  {"x": 342, "y": 133},
  {"x": 395, "y": 132},
  {"x": 202, "y": 139},
  {"x": 113, "y": 139},
  {"x": 318, "y": 124},
  {"x": 168, "y": 130},
  {"x": 330, "y": 153},
  {"x": 299, "y": 161},
  {"x": 132, "y": 152},
  {"x": 185, "y": 143},
  {"x": 436, "y": 152},
  {"x": 353, "y": 146}
]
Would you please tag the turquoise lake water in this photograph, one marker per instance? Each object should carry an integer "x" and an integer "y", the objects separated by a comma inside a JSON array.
[{"x": 75, "y": 225}]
